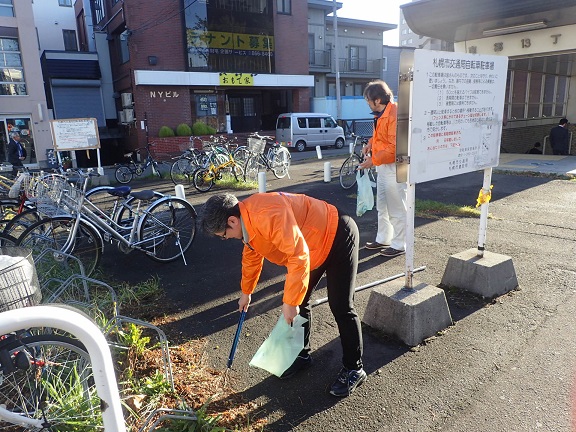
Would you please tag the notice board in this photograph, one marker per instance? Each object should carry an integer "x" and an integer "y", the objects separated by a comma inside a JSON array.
[
  {"x": 457, "y": 107},
  {"x": 75, "y": 134}
]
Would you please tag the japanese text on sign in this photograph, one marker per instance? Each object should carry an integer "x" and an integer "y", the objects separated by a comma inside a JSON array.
[
  {"x": 458, "y": 105},
  {"x": 236, "y": 79}
]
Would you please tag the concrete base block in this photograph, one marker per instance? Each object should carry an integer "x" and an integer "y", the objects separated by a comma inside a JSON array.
[
  {"x": 489, "y": 276},
  {"x": 410, "y": 315},
  {"x": 102, "y": 180}
]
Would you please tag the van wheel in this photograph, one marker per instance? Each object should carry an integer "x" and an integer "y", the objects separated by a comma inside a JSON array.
[
  {"x": 339, "y": 143},
  {"x": 300, "y": 146}
]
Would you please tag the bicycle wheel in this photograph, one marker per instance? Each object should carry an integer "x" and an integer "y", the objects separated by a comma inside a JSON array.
[
  {"x": 237, "y": 172},
  {"x": 52, "y": 381},
  {"x": 181, "y": 172},
  {"x": 20, "y": 222},
  {"x": 281, "y": 162},
  {"x": 241, "y": 155},
  {"x": 123, "y": 174},
  {"x": 253, "y": 166},
  {"x": 203, "y": 179},
  {"x": 53, "y": 233},
  {"x": 7, "y": 240},
  {"x": 167, "y": 229},
  {"x": 125, "y": 212},
  {"x": 348, "y": 171}
]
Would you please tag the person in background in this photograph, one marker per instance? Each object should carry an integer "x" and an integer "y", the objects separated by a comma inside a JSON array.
[
  {"x": 560, "y": 138},
  {"x": 16, "y": 152},
  {"x": 537, "y": 149},
  {"x": 309, "y": 237},
  {"x": 381, "y": 152}
]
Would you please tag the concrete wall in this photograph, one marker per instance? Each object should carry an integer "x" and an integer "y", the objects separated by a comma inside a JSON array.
[{"x": 50, "y": 19}]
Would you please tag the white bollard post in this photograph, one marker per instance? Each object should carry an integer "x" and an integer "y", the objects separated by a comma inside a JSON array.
[
  {"x": 327, "y": 172},
  {"x": 262, "y": 182},
  {"x": 318, "y": 152},
  {"x": 179, "y": 190}
]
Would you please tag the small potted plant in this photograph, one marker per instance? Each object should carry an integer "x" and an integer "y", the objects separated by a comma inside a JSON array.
[{"x": 66, "y": 162}]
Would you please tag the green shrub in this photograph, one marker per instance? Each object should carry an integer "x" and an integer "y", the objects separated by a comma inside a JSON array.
[
  {"x": 200, "y": 128},
  {"x": 166, "y": 131},
  {"x": 183, "y": 130}
]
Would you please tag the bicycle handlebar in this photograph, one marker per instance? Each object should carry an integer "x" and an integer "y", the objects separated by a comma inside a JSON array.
[{"x": 264, "y": 137}]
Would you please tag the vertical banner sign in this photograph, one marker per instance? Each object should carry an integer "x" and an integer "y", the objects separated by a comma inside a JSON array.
[{"x": 457, "y": 111}]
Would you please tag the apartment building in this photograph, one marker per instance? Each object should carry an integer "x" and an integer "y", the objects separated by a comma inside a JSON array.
[{"x": 22, "y": 98}]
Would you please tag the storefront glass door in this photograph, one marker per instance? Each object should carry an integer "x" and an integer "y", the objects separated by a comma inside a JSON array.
[{"x": 22, "y": 125}]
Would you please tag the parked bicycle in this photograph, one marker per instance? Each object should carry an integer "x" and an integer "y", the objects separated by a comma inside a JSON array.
[
  {"x": 163, "y": 230},
  {"x": 349, "y": 167},
  {"x": 221, "y": 163},
  {"x": 126, "y": 172},
  {"x": 276, "y": 159}
]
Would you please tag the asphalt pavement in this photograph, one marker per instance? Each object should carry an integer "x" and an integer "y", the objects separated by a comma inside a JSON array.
[{"x": 504, "y": 365}]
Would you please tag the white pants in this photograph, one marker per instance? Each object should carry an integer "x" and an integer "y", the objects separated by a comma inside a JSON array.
[{"x": 391, "y": 206}]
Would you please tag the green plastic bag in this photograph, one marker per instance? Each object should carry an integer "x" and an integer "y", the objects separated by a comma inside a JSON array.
[
  {"x": 365, "y": 197},
  {"x": 280, "y": 349}
]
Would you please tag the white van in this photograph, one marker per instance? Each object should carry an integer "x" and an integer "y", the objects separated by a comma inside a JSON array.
[{"x": 308, "y": 130}]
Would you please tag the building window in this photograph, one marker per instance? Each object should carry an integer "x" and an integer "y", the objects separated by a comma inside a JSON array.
[
  {"x": 358, "y": 60},
  {"x": 6, "y": 8},
  {"x": 70, "y": 43},
  {"x": 124, "y": 51},
  {"x": 284, "y": 6},
  {"x": 65, "y": 3},
  {"x": 98, "y": 6},
  {"x": 11, "y": 71}
]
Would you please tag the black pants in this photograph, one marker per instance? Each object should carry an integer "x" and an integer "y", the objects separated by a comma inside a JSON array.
[{"x": 340, "y": 267}]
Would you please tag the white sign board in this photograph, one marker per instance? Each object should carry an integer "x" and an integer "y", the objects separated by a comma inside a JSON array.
[
  {"x": 457, "y": 108},
  {"x": 75, "y": 134}
]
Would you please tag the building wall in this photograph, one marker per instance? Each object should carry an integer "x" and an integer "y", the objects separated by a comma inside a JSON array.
[
  {"x": 50, "y": 19},
  {"x": 290, "y": 57},
  {"x": 34, "y": 104}
]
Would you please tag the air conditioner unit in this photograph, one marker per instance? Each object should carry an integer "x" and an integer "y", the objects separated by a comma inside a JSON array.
[
  {"x": 126, "y": 100},
  {"x": 128, "y": 115},
  {"x": 121, "y": 117}
]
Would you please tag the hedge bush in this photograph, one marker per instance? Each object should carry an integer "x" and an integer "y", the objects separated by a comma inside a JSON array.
[
  {"x": 201, "y": 128},
  {"x": 183, "y": 130},
  {"x": 166, "y": 131}
]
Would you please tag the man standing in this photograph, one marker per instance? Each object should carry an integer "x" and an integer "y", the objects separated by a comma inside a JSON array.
[
  {"x": 381, "y": 152},
  {"x": 16, "y": 152},
  {"x": 309, "y": 237},
  {"x": 560, "y": 138}
]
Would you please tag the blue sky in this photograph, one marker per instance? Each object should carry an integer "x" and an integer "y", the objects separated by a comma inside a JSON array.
[{"x": 387, "y": 11}]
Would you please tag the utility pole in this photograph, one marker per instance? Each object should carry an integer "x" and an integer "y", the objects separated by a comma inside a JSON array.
[{"x": 337, "y": 63}]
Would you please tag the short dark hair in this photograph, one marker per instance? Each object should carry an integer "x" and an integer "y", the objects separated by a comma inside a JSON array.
[
  {"x": 378, "y": 89},
  {"x": 216, "y": 211},
  {"x": 563, "y": 121}
]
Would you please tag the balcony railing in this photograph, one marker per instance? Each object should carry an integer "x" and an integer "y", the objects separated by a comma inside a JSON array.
[{"x": 320, "y": 59}]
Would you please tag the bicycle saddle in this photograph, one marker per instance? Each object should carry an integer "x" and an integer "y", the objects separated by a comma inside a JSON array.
[
  {"x": 144, "y": 194},
  {"x": 120, "y": 191}
]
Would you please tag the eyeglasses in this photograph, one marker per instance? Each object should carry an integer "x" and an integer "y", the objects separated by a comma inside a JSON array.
[{"x": 223, "y": 236}]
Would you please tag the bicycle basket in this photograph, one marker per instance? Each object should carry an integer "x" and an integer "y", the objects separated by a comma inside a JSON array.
[
  {"x": 19, "y": 285},
  {"x": 256, "y": 145},
  {"x": 54, "y": 195}
]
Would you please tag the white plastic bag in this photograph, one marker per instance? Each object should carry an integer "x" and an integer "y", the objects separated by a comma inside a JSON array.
[
  {"x": 365, "y": 197},
  {"x": 280, "y": 349}
]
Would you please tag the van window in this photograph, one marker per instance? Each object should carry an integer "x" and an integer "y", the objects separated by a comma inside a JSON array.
[
  {"x": 314, "y": 122},
  {"x": 302, "y": 123},
  {"x": 329, "y": 122},
  {"x": 283, "y": 123}
]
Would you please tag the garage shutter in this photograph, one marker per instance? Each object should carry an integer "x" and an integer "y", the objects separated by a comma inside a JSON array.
[{"x": 78, "y": 102}]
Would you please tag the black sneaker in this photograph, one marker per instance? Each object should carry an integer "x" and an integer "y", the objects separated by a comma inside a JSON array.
[
  {"x": 375, "y": 245},
  {"x": 391, "y": 252},
  {"x": 347, "y": 381},
  {"x": 301, "y": 363}
]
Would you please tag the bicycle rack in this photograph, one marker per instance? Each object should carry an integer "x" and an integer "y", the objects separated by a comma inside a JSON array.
[
  {"x": 173, "y": 414},
  {"x": 167, "y": 363}
]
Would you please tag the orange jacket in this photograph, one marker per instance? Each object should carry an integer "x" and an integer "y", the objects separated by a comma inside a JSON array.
[
  {"x": 384, "y": 138},
  {"x": 291, "y": 230}
]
